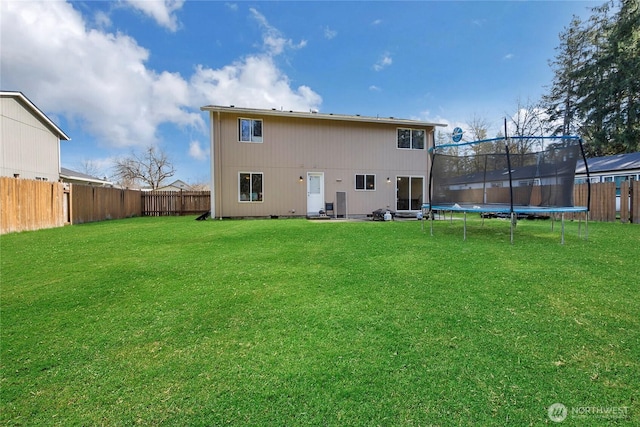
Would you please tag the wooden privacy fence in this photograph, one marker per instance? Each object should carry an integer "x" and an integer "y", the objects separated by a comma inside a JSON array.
[
  {"x": 89, "y": 204},
  {"x": 630, "y": 212},
  {"x": 33, "y": 205},
  {"x": 162, "y": 203},
  {"x": 604, "y": 201},
  {"x": 30, "y": 205}
]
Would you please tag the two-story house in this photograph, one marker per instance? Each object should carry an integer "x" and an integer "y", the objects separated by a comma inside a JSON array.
[
  {"x": 285, "y": 163},
  {"x": 29, "y": 140}
]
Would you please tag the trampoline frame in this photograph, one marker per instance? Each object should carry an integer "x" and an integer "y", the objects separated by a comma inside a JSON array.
[{"x": 511, "y": 209}]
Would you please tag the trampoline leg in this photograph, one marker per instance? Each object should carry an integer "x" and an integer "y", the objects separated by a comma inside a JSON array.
[
  {"x": 431, "y": 220},
  {"x": 465, "y": 227},
  {"x": 579, "y": 226},
  {"x": 562, "y": 233},
  {"x": 512, "y": 227},
  {"x": 586, "y": 226}
]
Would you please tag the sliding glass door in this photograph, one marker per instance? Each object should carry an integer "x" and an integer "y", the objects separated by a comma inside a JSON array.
[{"x": 409, "y": 191}]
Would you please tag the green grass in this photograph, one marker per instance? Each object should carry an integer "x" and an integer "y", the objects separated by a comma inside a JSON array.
[{"x": 170, "y": 321}]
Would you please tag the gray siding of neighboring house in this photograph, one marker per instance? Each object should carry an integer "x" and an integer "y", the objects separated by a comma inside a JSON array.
[
  {"x": 28, "y": 147},
  {"x": 294, "y": 146}
]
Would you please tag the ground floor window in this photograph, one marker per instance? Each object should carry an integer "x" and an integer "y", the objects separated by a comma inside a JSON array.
[
  {"x": 410, "y": 192},
  {"x": 250, "y": 186},
  {"x": 365, "y": 182}
]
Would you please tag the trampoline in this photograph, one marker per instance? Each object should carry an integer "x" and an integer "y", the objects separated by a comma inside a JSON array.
[{"x": 509, "y": 176}]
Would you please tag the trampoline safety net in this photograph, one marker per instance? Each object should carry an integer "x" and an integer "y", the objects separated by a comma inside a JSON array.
[{"x": 520, "y": 173}]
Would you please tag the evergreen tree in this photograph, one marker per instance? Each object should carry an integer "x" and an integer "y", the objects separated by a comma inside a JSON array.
[
  {"x": 596, "y": 86},
  {"x": 560, "y": 103}
]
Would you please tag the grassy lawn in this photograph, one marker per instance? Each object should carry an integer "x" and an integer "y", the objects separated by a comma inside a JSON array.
[{"x": 288, "y": 322}]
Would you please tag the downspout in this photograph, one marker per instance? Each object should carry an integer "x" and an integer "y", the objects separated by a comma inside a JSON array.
[
  {"x": 219, "y": 159},
  {"x": 213, "y": 168}
]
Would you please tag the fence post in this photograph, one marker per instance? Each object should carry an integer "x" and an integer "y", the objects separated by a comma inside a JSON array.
[
  {"x": 632, "y": 211},
  {"x": 624, "y": 202}
]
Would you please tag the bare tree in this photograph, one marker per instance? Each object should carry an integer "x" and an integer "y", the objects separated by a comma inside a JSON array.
[
  {"x": 200, "y": 186},
  {"x": 151, "y": 167},
  {"x": 478, "y": 127},
  {"x": 528, "y": 121},
  {"x": 89, "y": 167}
]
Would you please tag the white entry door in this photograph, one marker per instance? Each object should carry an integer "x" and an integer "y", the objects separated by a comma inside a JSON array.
[{"x": 315, "y": 192}]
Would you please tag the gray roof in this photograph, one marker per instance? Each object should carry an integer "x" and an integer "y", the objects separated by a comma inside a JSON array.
[
  {"x": 79, "y": 176},
  {"x": 615, "y": 163}
]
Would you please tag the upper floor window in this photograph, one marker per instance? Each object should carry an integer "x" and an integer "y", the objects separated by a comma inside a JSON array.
[
  {"x": 411, "y": 139},
  {"x": 365, "y": 182},
  {"x": 250, "y": 130}
]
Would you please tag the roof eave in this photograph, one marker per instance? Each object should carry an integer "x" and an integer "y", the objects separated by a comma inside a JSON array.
[
  {"x": 60, "y": 133},
  {"x": 79, "y": 178},
  {"x": 319, "y": 116}
]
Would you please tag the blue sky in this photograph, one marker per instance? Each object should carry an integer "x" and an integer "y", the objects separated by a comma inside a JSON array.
[{"x": 120, "y": 76}]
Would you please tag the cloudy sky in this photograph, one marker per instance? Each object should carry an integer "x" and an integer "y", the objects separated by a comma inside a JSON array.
[{"x": 119, "y": 76}]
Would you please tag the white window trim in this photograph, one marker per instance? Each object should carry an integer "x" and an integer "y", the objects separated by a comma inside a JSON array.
[
  {"x": 239, "y": 189},
  {"x": 375, "y": 182},
  {"x": 240, "y": 130},
  {"x": 424, "y": 147},
  {"x": 424, "y": 189}
]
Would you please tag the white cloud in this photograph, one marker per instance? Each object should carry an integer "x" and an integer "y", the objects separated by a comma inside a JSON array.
[
  {"x": 376, "y": 22},
  {"x": 95, "y": 79},
  {"x": 384, "y": 61},
  {"x": 100, "y": 82},
  {"x": 508, "y": 56},
  {"x": 162, "y": 11},
  {"x": 102, "y": 19},
  {"x": 232, "y": 6},
  {"x": 329, "y": 33},
  {"x": 197, "y": 152},
  {"x": 273, "y": 40},
  {"x": 254, "y": 81},
  {"x": 374, "y": 88}
]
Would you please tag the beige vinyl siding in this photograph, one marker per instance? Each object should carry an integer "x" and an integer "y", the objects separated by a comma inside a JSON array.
[
  {"x": 292, "y": 147},
  {"x": 28, "y": 146}
]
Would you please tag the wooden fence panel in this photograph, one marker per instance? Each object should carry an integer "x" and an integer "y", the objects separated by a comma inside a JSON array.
[
  {"x": 635, "y": 202},
  {"x": 624, "y": 202},
  {"x": 90, "y": 203},
  {"x": 30, "y": 205},
  {"x": 603, "y": 202},
  {"x": 161, "y": 203}
]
